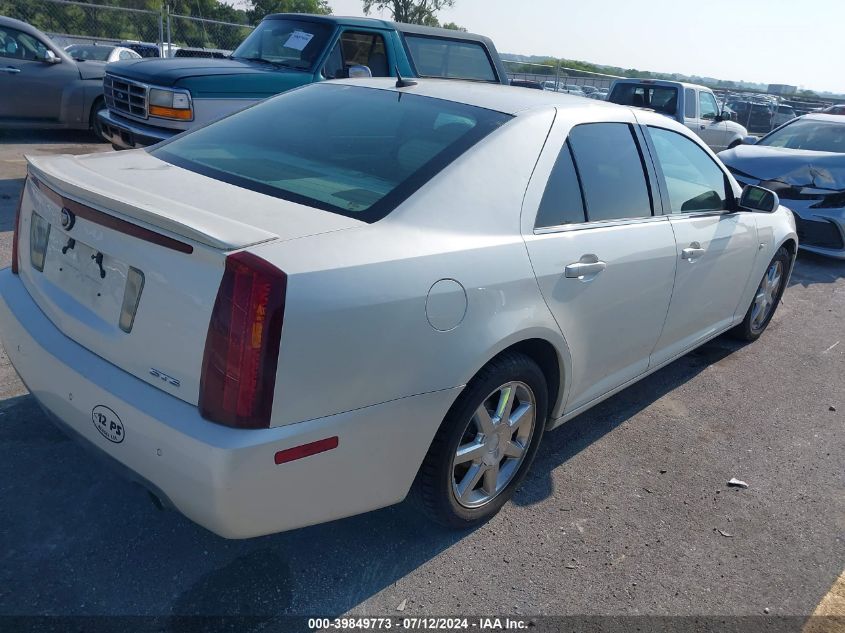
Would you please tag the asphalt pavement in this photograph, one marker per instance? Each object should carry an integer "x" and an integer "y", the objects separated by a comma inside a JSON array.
[{"x": 626, "y": 511}]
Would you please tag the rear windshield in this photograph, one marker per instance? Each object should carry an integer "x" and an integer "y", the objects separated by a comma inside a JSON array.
[
  {"x": 454, "y": 59},
  {"x": 289, "y": 43},
  {"x": 660, "y": 98},
  {"x": 356, "y": 151},
  {"x": 98, "y": 53},
  {"x": 819, "y": 136}
]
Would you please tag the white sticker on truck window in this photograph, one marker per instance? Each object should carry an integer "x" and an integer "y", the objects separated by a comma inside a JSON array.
[{"x": 298, "y": 40}]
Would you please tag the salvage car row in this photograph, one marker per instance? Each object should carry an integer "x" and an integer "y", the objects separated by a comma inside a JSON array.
[
  {"x": 374, "y": 286},
  {"x": 142, "y": 102}
]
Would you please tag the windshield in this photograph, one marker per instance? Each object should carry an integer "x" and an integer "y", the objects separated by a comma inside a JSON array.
[
  {"x": 819, "y": 136},
  {"x": 358, "y": 152},
  {"x": 661, "y": 98},
  {"x": 291, "y": 43}
]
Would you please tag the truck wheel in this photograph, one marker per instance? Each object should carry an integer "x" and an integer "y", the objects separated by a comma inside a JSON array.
[{"x": 94, "y": 121}]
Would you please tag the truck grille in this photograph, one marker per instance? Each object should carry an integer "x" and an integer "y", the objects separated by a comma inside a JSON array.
[{"x": 125, "y": 96}]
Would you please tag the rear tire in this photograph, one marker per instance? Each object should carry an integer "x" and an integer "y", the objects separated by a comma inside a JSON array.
[
  {"x": 486, "y": 443},
  {"x": 766, "y": 298},
  {"x": 736, "y": 143}
]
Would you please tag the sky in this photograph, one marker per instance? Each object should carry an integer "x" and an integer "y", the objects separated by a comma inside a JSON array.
[{"x": 767, "y": 41}]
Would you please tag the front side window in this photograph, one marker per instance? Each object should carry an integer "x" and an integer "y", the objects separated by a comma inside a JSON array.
[
  {"x": 357, "y": 49},
  {"x": 693, "y": 181},
  {"x": 562, "y": 202},
  {"x": 707, "y": 105},
  {"x": 17, "y": 45},
  {"x": 455, "y": 59},
  {"x": 818, "y": 136},
  {"x": 290, "y": 43},
  {"x": 355, "y": 151},
  {"x": 610, "y": 165}
]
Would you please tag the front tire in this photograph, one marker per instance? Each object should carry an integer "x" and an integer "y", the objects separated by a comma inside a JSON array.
[
  {"x": 486, "y": 443},
  {"x": 94, "y": 120},
  {"x": 766, "y": 299}
]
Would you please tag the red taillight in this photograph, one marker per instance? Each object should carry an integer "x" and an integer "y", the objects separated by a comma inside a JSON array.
[
  {"x": 306, "y": 450},
  {"x": 242, "y": 348},
  {"x": 16, "y": 234}
]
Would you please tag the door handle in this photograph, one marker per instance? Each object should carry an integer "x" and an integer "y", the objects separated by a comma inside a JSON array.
[
  {"x": 702, "y": 127},
  {"x": 587, "y": 267},
  {"x": 692, "y": 253},
  {"x": 11, "y": 70}
]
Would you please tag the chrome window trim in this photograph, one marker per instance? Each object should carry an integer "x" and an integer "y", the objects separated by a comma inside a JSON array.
[
  {"x": 702, "y": 214},
  {"x": 583, "y": 226}
]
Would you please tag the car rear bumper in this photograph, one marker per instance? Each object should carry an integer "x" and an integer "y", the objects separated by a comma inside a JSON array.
[
  {"x": 128, "y": 134},
  {"x": 222, "y": 478}
]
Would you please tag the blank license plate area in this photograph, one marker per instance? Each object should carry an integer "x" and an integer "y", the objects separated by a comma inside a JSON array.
[{"x": 72, "y": 266}]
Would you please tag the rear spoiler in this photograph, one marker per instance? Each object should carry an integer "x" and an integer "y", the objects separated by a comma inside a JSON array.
[{"x": 69, "y": 178}]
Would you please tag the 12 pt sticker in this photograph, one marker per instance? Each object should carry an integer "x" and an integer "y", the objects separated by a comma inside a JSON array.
[{"x": 107, "y": 423}]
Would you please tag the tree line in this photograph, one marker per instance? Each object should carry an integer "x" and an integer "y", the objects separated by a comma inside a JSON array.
[{"x": 95, "y": 21}]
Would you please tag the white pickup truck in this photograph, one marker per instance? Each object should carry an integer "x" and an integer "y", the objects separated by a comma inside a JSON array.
[{"x": 694, "y": 106}]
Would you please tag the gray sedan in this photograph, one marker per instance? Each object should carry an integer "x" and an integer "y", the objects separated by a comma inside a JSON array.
[
  {"x": 803, "y": 161},
  {"x": 45, "y": 87}
]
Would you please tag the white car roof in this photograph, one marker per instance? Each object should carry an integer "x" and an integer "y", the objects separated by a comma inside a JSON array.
[
  {"x": 831, "y": 118},
  {"x": 507, "y": 99}
]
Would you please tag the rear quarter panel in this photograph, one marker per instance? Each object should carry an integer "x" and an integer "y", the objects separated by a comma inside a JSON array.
[{"x": 356, "y": 331}]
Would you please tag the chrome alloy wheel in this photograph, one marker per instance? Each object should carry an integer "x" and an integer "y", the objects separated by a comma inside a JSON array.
[
  {"x": 767, "y": 293},
  {"x": 493, "y": 444}
]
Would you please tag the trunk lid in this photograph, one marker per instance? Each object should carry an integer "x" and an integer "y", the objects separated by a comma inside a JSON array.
[{"x": 120, "y": 221}]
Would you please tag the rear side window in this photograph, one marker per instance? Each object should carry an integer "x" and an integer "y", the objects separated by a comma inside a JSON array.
[
  {"x": 454, "y": 59},
  {"x": 689, "y": 103},
  {"x": 693, "y": 181},
  {"x": 355, "y": 151},
  {"x": 562, "y": 201},
  {"x": 663, "y": 99},
  {"x": 611, "y": 169}
]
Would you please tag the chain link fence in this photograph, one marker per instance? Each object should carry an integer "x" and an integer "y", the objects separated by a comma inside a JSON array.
[
  {"x": 555, "y": 77},
  {"x": 73, "y": 22},
  {"x": 212, "y": 35}
]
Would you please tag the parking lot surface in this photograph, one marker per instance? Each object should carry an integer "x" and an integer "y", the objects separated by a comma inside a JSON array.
[{"x": 626, "y": 509}]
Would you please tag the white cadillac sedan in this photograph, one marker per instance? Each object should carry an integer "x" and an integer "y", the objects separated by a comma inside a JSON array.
[{"x": 356, "y": 289}]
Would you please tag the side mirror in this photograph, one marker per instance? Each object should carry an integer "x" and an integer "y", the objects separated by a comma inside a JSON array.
[
  {"x": 360, "y": 72},
  {"x": 50, "y": 57},
  {"x": 750, "y": 140},
  {"x": 756, "y": 198},
  {"x": 720, "y": 117}
]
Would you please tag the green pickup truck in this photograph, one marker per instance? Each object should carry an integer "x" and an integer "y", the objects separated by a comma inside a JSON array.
[{"x": 150, "y": 100}]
